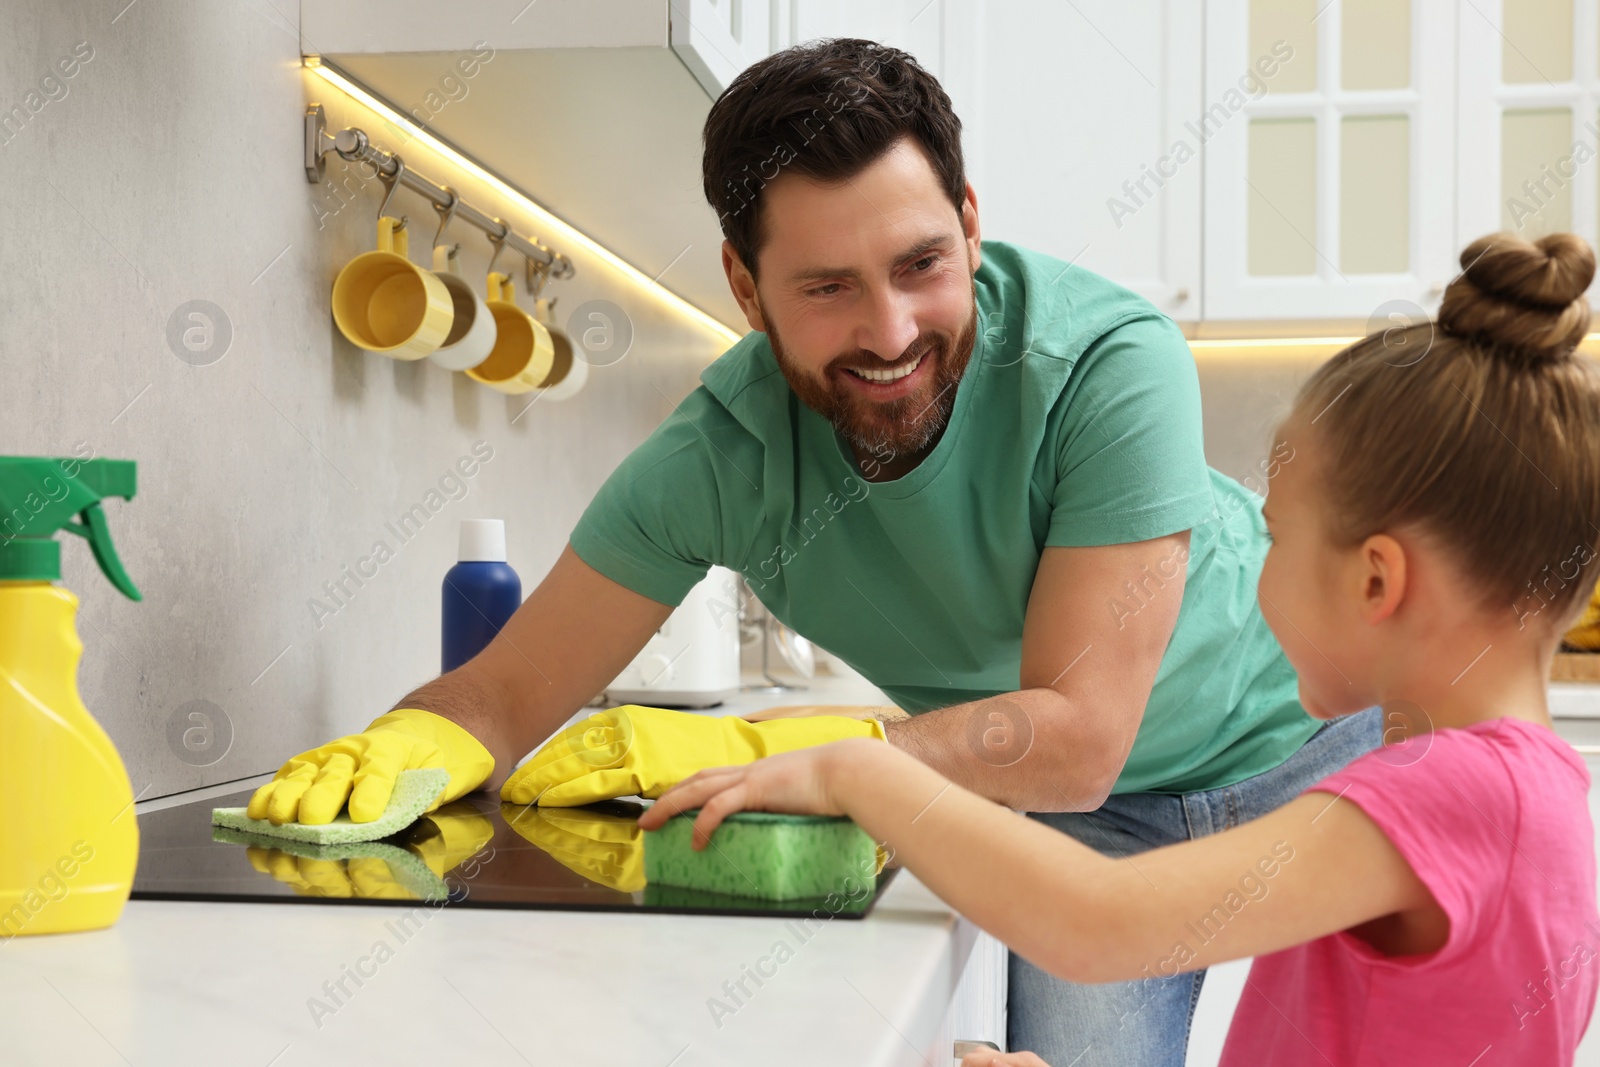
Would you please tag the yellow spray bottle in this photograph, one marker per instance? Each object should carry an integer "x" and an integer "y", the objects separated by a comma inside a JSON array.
[{"x": 69, "y": 841}]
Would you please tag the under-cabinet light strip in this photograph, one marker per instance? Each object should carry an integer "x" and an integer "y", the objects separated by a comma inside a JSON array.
[
  {"x": 1214, "y": 343},
  {"x": 546, "y": 220},
  {"x": 1274, "y": 342}
]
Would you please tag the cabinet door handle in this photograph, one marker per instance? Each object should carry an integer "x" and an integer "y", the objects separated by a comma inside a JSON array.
[{"x": 964, "y": 1047}]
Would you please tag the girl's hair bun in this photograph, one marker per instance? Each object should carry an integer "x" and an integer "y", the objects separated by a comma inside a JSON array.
[{"x": 1522, "y": 299}]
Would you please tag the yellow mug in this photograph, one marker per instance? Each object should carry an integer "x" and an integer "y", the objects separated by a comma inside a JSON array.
[
  {"x": 385, "y": 303},
  {"x": 523, "y": 352}
]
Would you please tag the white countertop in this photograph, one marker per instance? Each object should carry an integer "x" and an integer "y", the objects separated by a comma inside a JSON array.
[
  {"x": 1574, "y": 700},
  {"x": 178, "y": 983},
  {"x": 206, "y": 984}
]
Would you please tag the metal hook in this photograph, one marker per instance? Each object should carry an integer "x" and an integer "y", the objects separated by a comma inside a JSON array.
[
  {"x": 546, "y": 307},
  {"x": 446, "y": 213},
  {"x": 499, "y": 241},
  {"x": 391, "y": 182},
  {"x": 538, "y": 274}
]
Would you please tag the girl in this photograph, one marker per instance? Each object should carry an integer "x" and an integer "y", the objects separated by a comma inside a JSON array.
[{"x": 1434, "y": 533}]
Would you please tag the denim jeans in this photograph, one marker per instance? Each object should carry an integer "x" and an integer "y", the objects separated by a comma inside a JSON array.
[{"x": 1145, "y": 1022}]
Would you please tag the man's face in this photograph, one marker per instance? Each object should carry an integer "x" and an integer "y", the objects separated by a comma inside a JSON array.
[{"x": 866, "y": 296}]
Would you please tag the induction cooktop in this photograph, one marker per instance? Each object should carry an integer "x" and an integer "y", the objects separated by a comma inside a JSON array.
[{"x": 475, "y": 852}]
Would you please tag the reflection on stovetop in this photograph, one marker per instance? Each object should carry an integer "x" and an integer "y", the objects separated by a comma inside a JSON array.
[{"x": 473, "y": 852}]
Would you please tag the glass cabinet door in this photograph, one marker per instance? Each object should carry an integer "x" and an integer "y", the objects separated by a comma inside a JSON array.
[
  {"x": 1329, "y": 156},
  {"x": 1530, "y": 118}
]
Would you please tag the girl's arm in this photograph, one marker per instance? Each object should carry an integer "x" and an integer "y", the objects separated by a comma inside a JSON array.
[{"x": 1312, "y": 867}]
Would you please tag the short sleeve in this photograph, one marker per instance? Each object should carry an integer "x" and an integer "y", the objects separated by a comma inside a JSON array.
[
  {"x": 661, "y": 520},
  {"x": 1449, "y": 804},
  {"x": 1131, "y": 455}
]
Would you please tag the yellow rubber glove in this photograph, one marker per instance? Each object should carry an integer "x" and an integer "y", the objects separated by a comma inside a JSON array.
[
  {"x": 446, "y": 838},
  {"x": 604, "y": 848},
  {"x": 636, "y": 751},
  {"x": 442, "y": 840},
  {"x": 313, "y": 786},
  {"x": 366, "y": 877}
]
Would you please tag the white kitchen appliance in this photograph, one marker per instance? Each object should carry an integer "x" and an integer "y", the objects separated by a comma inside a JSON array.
[{"x": 693, "y": 660}]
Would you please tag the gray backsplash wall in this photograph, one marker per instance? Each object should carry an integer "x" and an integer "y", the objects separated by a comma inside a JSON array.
[
  {"x": 1244, "y": 394},
  {"x": 168, "y": 169}
]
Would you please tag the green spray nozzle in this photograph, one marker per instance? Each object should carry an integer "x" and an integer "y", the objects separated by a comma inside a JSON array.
[{"x": 40, "y": 497}]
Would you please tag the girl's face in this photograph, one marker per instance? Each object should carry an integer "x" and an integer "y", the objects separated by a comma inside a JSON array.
[{"x": 1305, "y": 587}]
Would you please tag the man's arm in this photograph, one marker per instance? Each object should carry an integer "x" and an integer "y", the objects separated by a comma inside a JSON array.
[
  {"x": 571, "y": 637},
  {"x": 1090, "y": 652}
]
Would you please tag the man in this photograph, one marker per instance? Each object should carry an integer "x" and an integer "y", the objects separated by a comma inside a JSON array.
[{"x": 973, "y": 472}]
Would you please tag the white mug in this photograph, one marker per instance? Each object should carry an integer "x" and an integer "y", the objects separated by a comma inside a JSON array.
[{"x": 472, "y": 335}]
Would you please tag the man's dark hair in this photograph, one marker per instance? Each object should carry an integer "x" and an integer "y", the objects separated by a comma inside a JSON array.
[{"x": 826, "y": 109}]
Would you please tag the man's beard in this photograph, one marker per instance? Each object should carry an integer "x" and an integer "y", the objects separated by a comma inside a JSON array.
[{"x": 886, "y": 429}]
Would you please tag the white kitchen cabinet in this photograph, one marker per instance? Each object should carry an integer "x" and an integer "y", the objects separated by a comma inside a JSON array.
[
  {"x": 914, "y": 26},
  {"x": 1529, "y": 110},
  {"x": 716, "y": 39},
  {"x": 1330, "y": 155},
  {"x": 945, "y": 36},
  {"x": 977, "y": 1011},
  {"x": 1072, "y": 117},
  {"x": 1081, "y": 144}
]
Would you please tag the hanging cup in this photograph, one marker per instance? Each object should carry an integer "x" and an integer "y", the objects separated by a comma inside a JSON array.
[
  {"x": 567, "y": 373},
  {"x": 523, "y": 352},
  {"x": 385, "y": 303},
  {"x": 472, "y": 333}
]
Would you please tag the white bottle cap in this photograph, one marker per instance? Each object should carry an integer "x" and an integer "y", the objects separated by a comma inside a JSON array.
[{"x": 483, "y": 541}]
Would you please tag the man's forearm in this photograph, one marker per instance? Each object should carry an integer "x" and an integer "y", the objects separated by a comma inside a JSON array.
[{"x": 1032, "y": 750}]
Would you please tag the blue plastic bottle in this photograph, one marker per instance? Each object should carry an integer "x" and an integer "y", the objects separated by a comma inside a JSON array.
[{"x": 480, "y": 592}]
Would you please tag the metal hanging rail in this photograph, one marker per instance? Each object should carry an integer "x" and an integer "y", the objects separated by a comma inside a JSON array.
[{"x": 351, "y": 144}]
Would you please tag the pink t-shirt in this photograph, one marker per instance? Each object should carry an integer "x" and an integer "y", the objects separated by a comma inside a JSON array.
[{"x": 1494, "y": 819}]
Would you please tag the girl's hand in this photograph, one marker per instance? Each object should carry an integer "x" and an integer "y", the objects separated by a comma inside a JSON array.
[{"x": 798, "y": 783}]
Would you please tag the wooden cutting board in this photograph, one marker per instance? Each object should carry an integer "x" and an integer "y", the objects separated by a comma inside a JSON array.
[{"x": 1575, "y": 667}]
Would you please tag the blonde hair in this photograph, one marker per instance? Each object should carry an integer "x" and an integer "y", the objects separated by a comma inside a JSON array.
[{"x": 1489, "y": 440}]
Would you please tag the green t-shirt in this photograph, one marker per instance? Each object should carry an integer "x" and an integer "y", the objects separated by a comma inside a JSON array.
[{"x": 1077, "y": 422}]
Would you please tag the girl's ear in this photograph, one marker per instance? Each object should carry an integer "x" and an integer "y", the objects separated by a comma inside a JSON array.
[{"x": 1382, "y": 569}]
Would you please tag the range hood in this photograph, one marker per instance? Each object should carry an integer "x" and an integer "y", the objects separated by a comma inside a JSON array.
[{"x": 593, "y": 108}]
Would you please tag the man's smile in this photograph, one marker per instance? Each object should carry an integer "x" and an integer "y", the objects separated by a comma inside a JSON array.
[
  {"x": 886, "y": 374},
  {"x": 893, "y": 381}
]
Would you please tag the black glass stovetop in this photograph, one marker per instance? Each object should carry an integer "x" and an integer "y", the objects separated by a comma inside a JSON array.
[{"x": 475, "y": 852}]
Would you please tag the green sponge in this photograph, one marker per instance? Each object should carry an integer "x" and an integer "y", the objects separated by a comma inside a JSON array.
[
  {"x": 413, "y": 792},
  {"x": 406, "y": 868},
  {"x": 765, "y": 855}
]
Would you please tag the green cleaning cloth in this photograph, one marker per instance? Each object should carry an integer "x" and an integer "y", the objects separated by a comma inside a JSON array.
[
  {"x": 413, "y": 792},
  {"x": 406, "y": 869},
  {"x": 765, "y": 855}
]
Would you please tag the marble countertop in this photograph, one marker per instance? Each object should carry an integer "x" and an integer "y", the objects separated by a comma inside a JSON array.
[
  {"x": 1574, "y": 700},
  {"x": 178, "y": 983},
  {"x": 257, "y": 984}
]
